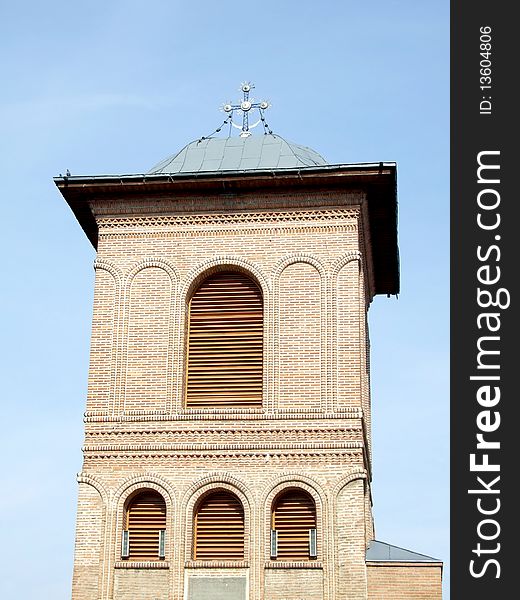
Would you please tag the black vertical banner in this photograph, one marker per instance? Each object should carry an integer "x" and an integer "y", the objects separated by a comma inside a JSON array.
[{"x": 485, "y": 265}]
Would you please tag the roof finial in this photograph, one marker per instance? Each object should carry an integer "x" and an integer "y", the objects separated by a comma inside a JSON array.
[{"x": 245, "y": 106}]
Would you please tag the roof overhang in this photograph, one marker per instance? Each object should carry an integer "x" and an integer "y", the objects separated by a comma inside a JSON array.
[{"x": 377, "y": 180}]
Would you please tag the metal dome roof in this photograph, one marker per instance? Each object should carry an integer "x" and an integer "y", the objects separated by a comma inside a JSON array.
[{"x": 251, "y": 153}]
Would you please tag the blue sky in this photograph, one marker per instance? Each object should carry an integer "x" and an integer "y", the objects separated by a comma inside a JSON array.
[{"x": 115, "y": 86}]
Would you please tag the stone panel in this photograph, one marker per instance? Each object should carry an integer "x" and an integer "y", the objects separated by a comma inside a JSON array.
[
  {"x": 217, "y": 588},
  {"x": 141, "y": 584}
]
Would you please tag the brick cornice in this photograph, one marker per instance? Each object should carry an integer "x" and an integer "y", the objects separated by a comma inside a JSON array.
[
  {"x": 223, "y": 219},
  {"x": 217, "y": 454},
  {"x": 293, "y": 430},
  {"x": 224, "y": 415},
  {"x": 270, "y": 231},
  {"x": 167, "y": 448}
]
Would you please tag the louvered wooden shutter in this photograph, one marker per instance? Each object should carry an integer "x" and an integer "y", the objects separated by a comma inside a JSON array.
[
  {"x": 294, "y": 516},
  {"x": 225, "y": 345},
  {"x": 146, "y": 518},
  {"x": 219, "y": 528}
]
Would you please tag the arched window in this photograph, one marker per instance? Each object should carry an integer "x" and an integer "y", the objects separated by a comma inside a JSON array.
[
  {"x": 225, "y": 343},
  {"x": 145, "y": 526},
  {"x": 293, "y": 526},
  {"x": 219, "y": 528}
]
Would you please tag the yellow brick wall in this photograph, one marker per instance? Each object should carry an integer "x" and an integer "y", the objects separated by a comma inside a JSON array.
[
  {"x": 145, "y": 379},
  {"x": 350, "y": 541},
  {"x": 293, "y": 584},
  {"x": 299, "y": 333},
  {"x": 413, "y": 581},
  {"x": 313, "y": 269},
  {"x": 88, "y": 553}
]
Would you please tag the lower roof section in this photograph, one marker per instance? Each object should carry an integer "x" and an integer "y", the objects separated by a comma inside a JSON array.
[{"x": 382, "y": 552}]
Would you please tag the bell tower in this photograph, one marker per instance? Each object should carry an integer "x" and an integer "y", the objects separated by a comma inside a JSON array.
[{"x": 227, "y": 443}]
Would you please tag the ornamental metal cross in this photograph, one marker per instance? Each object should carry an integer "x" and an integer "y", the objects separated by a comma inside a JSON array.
[{"x": 245, "y": 106}]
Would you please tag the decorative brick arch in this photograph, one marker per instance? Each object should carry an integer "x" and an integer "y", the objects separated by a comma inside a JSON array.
[
  {"x": 223, "y": 263},
  {"x": 215, "y": 477},
  {"x": 145, "y": 482},
  {"x": 352, "y": 475},
  {"x": 288, "y": 481},
  {"x": 110, "y": 267},
  {"x": 192, "y": 281},
  {"x": 97, "y": 485},
  {"x": 204, "y": 486},
  {"x": 148, "y": 481},
  {"x": 158, "y": 263},
  {"x": 293, "y": 477},
  {"x": 292, "y": 259},
  {"x": 344, "y": 260},
  {"x": 278, "y": 270}
]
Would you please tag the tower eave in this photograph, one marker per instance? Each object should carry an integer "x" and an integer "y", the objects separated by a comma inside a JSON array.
[{"x": 377, "y": 180}]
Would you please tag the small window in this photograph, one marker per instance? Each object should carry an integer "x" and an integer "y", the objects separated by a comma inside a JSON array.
[
  {"x": 144, "y": 534},
  {"x": 225, "y": 343},
  {"x": 293, "y": 527},
  {"x": 219, "y": 528}
]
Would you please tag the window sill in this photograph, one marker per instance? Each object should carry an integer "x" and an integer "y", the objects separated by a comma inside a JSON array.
[
  {"x": 281, "y": 564},
  {"x": 135, "y": 564},
  {"x": 216, "y": 564}
]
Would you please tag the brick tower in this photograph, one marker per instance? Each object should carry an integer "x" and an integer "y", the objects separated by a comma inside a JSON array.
[{"x": 227, "y": 428}]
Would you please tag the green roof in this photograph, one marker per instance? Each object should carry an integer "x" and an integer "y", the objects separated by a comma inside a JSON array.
[{"x": 239, "y": 154}]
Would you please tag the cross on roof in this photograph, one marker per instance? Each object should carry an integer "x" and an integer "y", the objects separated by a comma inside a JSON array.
[{"x": 245, "y": 106}]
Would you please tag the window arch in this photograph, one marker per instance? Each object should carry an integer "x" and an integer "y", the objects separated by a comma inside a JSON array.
[
  {"x": 225, "y": 343},
  {"x": 219, "y": 527},
  {"x": 293, "y": 526},
  {"x": 145, "y": 527}
]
